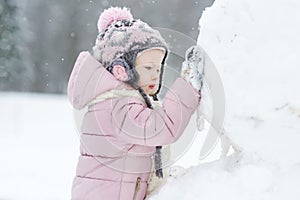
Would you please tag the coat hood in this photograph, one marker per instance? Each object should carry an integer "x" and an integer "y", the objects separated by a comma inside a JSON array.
[{"x": 88, "y": 79}]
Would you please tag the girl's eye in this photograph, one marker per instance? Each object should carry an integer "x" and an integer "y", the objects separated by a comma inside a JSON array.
[{"x": 148, "y": 67}]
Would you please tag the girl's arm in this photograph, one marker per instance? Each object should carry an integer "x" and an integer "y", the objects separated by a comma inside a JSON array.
[{"x": 137, "y": 124}]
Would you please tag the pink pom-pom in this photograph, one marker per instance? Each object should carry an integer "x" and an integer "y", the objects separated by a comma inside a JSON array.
[{"x": 113, "y": 14}]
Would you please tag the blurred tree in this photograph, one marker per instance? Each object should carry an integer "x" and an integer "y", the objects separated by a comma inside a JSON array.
[{"x": 11, "y": 66}]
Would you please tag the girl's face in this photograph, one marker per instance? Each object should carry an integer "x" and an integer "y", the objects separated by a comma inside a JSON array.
[{"x": 148, "y": 66}]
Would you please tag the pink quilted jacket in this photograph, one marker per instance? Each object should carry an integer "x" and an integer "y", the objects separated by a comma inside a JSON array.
[{"x": 119, "y": 135}]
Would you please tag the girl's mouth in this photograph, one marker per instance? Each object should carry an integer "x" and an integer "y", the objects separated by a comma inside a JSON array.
[{"x": 151, "y": 86}]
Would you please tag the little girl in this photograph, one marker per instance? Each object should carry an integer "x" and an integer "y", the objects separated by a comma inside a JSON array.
[{"x": 125, "y": 126}]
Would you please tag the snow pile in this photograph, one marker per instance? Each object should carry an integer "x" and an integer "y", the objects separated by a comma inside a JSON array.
[
  {"x": 247, "y": 177},
  {"x": 256, "y": 53},
  {"x": 254, "y": 45}
]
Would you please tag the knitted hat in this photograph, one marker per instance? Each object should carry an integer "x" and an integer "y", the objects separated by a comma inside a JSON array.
[
  {"x": 121, "y": 38},
  {"x": 120, "y": 34}
]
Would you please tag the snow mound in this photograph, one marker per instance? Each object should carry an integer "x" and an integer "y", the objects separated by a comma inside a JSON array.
[
  {"x": 237, "y": 177},
  {"x": 255, "y": 51},
  {"x": 254, "y": 45}
]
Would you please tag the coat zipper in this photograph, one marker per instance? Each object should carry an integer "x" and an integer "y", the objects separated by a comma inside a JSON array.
[{"x": 137, "y": 187}]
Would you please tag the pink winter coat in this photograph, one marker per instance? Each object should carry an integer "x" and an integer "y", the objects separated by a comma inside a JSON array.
[{"x": 119, "y": 135}]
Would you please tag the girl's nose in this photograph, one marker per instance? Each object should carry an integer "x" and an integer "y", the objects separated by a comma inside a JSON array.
[{"x": 155, "y": 76}]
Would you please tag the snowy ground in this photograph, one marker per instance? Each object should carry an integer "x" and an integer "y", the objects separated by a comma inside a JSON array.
[
  {"x": 255, "y": 46},
  {"x": 38, "y": 147}
]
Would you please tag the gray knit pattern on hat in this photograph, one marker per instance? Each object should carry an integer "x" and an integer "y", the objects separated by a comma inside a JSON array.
[{"x": 124, "y": 36}]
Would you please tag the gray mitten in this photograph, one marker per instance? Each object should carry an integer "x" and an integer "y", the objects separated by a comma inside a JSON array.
[{"x": 193, "y": 67}]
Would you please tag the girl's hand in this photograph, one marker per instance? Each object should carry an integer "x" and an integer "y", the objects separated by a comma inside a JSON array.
[{"x": 192, "y": 67}]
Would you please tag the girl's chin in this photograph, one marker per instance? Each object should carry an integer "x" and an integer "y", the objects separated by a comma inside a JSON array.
[
  {"x": 149, "y": 91},
  {"x": 152, "y": 92}
]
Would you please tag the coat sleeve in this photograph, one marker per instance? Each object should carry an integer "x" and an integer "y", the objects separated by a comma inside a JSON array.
[{"x": 137, "y": 124}]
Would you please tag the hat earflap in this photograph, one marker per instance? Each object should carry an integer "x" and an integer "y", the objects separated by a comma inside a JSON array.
[{"x": 123, "y": 72}]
